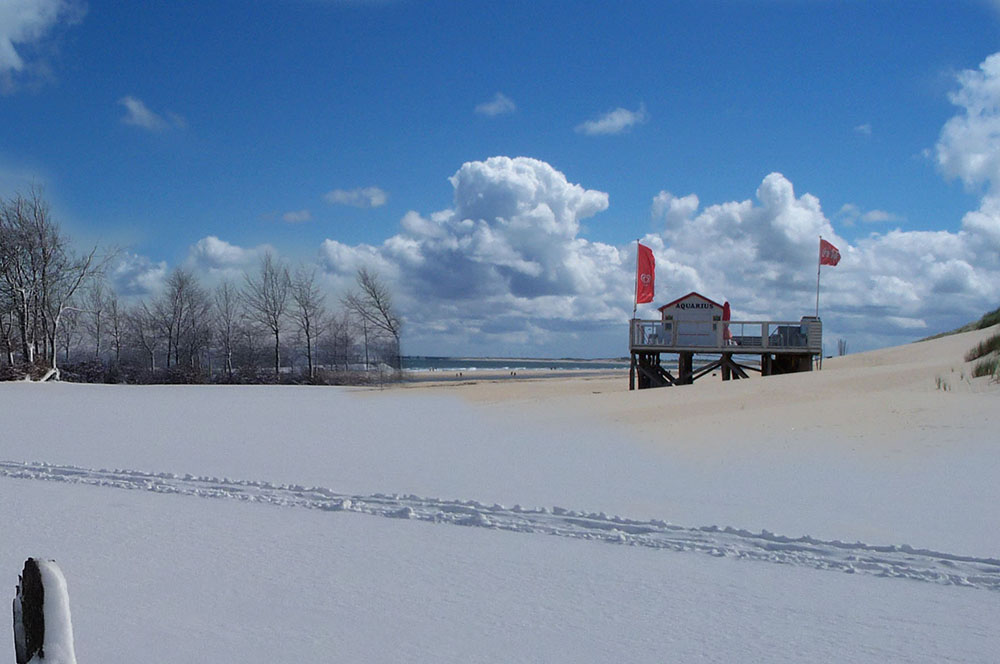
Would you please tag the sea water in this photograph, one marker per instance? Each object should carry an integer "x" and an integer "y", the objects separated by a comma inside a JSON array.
[{"x": 421, "y": 363}]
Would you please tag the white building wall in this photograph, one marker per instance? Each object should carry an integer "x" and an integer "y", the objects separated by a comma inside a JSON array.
[{"x": 695, "y": 321}]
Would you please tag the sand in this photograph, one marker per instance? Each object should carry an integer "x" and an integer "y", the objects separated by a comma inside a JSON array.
[{"x": 876, "y": 397}]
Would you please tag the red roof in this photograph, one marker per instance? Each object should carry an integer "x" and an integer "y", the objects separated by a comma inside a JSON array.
[{"x": 670, "y": 304}]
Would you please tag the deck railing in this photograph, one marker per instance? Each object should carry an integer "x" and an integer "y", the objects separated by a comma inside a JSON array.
[{"x": 758, "y": 336}]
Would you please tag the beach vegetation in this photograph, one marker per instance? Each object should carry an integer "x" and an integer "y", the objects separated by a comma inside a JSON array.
[
  {"x": 989, "y": 366},
  {"x": 984, "y": 348},
  {"x": 988, "y": 319}
]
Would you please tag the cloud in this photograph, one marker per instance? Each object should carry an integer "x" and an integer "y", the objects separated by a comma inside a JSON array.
[
  {"x": 297, "y": 216},
  {"x": 24, "y": 26},
  {"x": 969, "y": 148},
  {"x": 613, "y": 122},
  {"x": 864, "y": 129},
  {"x": 673, "y": 209},
  {"x": 135, "y": 275},
  {"x": 880, "y": 217},
  {"x": 850, "y": 214},
  {"x": 506, "y": 269},
  {"x": 217, "y": 257},
  {"x": 504, "y": 266},
  {"x": 367, "y": 197},
  {"x": 138, "y": 114},
  {"x": 500, "y": 104},
  {"x": 761, "y": 255}
]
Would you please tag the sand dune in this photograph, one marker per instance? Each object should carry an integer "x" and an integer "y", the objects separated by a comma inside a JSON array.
[{"x": 878, "y": 396}]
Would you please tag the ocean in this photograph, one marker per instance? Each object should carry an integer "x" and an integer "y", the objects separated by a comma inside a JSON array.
[{"x": 421, "y": 363}]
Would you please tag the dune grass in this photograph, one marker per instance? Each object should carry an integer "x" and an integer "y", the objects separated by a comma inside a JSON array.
[
  {"x": 984, "y": 348},
  {"x": 989, "y": 366},
  {"x": 988, "y": 320}
]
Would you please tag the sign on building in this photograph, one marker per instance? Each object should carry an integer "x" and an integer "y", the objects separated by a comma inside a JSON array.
[{"x": 695, "y": 319}]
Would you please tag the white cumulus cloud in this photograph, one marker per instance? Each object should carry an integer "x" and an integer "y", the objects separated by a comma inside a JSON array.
[
  {"x": 214, "y": 256},
  {"x": 613, "y": 122},
  {"x": 505, "y": 265},
  {"x": 762, "y": 256},
  {"x": 500, "y": 104},
  {"x": 135, "y": 275},
  {"x": 969, "y": 148},
  {"x": 506, "y": 270},
  {"x": 361, "y": 197}
]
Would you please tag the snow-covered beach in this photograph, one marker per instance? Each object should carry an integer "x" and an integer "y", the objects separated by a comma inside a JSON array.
[{"x": 712, "y": 522}]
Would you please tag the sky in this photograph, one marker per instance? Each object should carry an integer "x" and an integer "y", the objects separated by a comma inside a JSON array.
[{"x": 495, "y": 163}]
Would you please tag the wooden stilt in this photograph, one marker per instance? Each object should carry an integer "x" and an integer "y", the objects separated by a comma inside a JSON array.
[{"x": 685, "y": 368}]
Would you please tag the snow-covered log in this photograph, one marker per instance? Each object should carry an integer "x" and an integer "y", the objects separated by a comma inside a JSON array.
[{"x": 43, "y": 629}]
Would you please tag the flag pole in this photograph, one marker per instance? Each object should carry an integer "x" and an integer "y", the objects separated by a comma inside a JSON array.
[
  {"x": 635, "y": 291},
  {"x": 819, "y": 263}
]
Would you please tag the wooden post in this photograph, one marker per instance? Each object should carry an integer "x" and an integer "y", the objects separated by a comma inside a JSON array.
[{"x": 685, "y": 367}]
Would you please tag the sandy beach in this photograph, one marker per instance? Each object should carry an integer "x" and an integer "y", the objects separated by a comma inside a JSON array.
[{"x": 877, "y": 396}]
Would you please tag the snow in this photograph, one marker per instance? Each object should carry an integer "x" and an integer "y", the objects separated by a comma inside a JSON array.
[
  {"x": 58, "y": 645},
  {"x": 262, "y": 524}
]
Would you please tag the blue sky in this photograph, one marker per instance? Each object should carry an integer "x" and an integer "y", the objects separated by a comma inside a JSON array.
[{"x": 202, "y": 134}]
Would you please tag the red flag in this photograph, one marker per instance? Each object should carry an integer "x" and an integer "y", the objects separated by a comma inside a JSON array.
[
  {"x": 645, "y": 275},
  {"x": 828, "y": 254}
]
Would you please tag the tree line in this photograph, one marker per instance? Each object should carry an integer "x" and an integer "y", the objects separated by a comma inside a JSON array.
[{"x": 60, "y": 317}]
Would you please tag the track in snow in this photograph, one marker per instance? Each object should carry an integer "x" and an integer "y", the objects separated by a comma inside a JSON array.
[{"x": 899, "y": 561}]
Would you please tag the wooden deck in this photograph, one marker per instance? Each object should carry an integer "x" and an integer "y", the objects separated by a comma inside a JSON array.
[{"x": 783, "y": 347}]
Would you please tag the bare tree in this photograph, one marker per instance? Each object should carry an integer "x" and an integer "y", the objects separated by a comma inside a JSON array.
[
  {"x": 7, "y": 330},
  {"x": 144, "y": 332},
  {"x": 20, "y": 272},
  {"x": 227, "y": 318},
  {"x": 309, "y": 312},
  {"x": 182, "y": 314},
  {"x": 116, "y": 324},
  {"x": 339, "y": 340},
  {"x": 372, "y": 303},
  {"x": 95, "y": 304},
  {"x": 194, "y": 340},
  {"x": 39, "y": 273},
  {"x": 266, "y": 296},
  {"x": 249, "y": 334},
  {"x": 69, "y": 331}
]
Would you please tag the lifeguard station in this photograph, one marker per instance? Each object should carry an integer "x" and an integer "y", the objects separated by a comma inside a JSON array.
[{"x": 695, "y": 325}]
